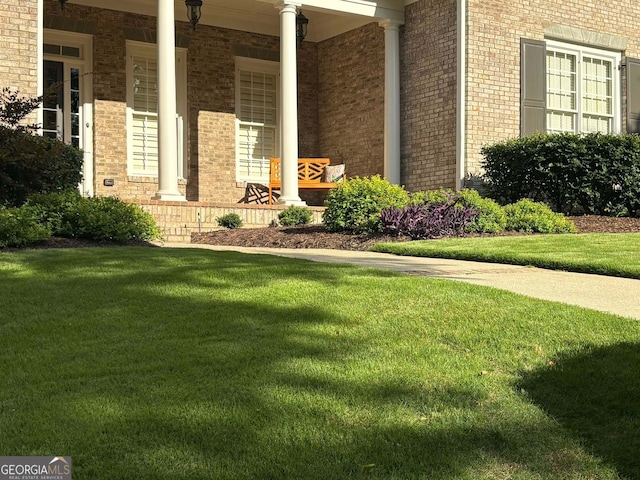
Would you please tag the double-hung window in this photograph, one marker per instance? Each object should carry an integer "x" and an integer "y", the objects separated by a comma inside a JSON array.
[
  {"x": 582, "y": 89},
  {"x": 257, "y": 133},
  {"x": 142, "y": 109}
]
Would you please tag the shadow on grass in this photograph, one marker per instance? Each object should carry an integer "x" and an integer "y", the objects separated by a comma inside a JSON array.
[
  {"x": 596, "y": 395},
  {"x": 149, "y": 364}
]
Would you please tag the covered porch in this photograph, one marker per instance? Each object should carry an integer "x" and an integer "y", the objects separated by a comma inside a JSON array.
[{"x": 147, "y": 75}]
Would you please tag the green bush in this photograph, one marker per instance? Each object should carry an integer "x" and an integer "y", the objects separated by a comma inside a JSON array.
[
  {"x": 355, "y": 205},
  {"x": 30, "y": 163},
  {"x": 108, "y": 218},
  {"x": 68, "y": 214},
  {"x": 490, "y": 218},
  {"x": 56, "y": 209},
  {"x": 230, "y": 220},
  {"x": 534, "y": 217},
  {"x": 20, "y": 227},
  {"x": 295, "y": 216},
  {"x": 592, "y": 173}
]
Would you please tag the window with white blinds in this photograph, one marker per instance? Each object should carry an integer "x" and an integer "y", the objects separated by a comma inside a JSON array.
[
  {"x": 256, "y": 118},
  {"x": 582, "y": 89},
  {"x": 142, "y": 108}
]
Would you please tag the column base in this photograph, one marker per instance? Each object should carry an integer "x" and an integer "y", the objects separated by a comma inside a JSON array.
[
  {"x": 296, "y": 202},
  {"x": 169, "y": 197}
]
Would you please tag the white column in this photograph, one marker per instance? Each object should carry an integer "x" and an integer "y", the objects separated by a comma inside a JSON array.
[
  {"x": 391, "y": 100},
  {"x": 288, "y": 105},
  {"x": 167, "y": 135}
]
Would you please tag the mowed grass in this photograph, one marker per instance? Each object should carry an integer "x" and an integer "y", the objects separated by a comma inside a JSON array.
[
  {"x": 148, "y": 363},
  {"x": 606, "y": 254}
]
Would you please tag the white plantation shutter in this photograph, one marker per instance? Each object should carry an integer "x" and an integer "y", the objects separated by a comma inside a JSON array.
[
  {"x": 142, "y": 108},
  {"x": 257, "y": 120},
  {"x": 145, "y": 115}
]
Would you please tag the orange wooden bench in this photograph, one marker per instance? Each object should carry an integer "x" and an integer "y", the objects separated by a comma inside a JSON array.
[{"x": 310, "y": 173}]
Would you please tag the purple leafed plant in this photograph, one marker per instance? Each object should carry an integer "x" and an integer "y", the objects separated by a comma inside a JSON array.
[{"x": 433, "y": 220}]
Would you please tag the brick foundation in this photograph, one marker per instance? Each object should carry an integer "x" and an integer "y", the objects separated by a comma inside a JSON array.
[{"x": 179, "y": 219}]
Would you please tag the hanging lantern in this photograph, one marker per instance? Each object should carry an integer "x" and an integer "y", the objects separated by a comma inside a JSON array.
[
  {"x": 194, "y": 11},
  {"x": 302, "y": 23}
]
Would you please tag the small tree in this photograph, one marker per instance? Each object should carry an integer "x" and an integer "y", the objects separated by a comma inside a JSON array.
[
  {"x": 15, "y": 108},
  {"x": 30, "y": 163}
]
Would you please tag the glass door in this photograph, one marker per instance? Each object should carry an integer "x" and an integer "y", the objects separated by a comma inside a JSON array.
[{"x": 61, "y": 116}]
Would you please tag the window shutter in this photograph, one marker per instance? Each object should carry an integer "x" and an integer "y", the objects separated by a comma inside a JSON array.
[
  {"x": 533, "y": 86},
  {"x": 633, "y": 95}
]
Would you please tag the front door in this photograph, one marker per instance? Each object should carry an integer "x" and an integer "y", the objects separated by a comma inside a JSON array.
[{"x": 67, "y": 104}]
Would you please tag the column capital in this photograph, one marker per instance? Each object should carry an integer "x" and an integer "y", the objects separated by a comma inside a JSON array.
[
  {"x": 389, "y": 24},
  {"x": 286, "y": 6}
]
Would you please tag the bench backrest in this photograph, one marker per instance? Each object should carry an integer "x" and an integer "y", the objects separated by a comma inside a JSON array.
[{"x": 310, "y": 170}]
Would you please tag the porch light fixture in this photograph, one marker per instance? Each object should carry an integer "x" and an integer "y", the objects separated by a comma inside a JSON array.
[
  {"x": 62, "y": 2},
  {"x": 301, "y": 28},
  {"x": 194, "y": 11}
]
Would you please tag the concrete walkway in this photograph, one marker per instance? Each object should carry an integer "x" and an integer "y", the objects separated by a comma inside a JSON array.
[{"x": 620, "y": 296}]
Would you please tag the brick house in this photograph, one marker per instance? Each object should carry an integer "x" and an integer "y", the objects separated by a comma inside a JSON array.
[{"x": 410, "y": 89}]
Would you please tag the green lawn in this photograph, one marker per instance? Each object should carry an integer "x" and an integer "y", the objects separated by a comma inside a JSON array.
[
  {"x": 606, "y": 254},
  {"x": 149, "y": 363}
]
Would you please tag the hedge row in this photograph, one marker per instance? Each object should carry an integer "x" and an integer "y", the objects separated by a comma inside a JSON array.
[{"x": 591, "y": 174}]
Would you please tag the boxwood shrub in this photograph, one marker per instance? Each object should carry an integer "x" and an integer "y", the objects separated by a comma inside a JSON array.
[
  {"x": 295, "y": 216},
  {"x": 230, "y": 220},
  {"x": 355, "y": 205},
  {"x": 68, "y": 214},
  {"x": 20, "y": 226},
  {"x": 534, "y": 217}
]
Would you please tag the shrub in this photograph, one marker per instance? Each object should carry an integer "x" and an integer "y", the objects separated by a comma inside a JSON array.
[
  {"x": 591, "y": 173},
  {"x": 295, "y": 216},
  {"x": 31, "y": 163},
  {"x": 68, "y": 214},
  {"x": 230, "y": 220},
  {"x": 533, "y": 217},
  {"x": 490, "y": 217},
  {"x": 355, "y": 205},
  {"x": 55, "y": 209},
  {"x": 20, "y": 227},
  {"x": 108, "y": 218},
  {"x": 431, "y": 220}
]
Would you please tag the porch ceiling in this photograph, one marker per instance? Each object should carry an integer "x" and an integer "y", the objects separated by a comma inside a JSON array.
[{"x": 327, "y": 18}]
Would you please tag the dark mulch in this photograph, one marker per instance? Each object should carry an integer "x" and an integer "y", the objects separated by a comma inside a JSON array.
[{"x": 314, "y": 236}]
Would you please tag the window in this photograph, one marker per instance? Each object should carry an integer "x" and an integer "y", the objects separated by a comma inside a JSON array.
[
  {"x": 582, "y": 89},
  {"x": 142, "y": 108},
  {"x": 257, "y": 131}
]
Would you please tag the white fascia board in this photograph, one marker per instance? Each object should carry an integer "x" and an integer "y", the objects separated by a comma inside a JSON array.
[{"x": 380, "y": 9}]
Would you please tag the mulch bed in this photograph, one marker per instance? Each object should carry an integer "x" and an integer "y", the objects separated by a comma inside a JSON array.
[{"x": 314, "y": 236}]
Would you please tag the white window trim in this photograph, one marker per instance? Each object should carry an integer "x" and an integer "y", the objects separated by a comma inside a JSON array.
[
  {"x": 84, "y": 63},
  {"x": 151, "y": 49},
  {"x": 257, "y": 66},
  {"x": 615, "y": 59}
]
